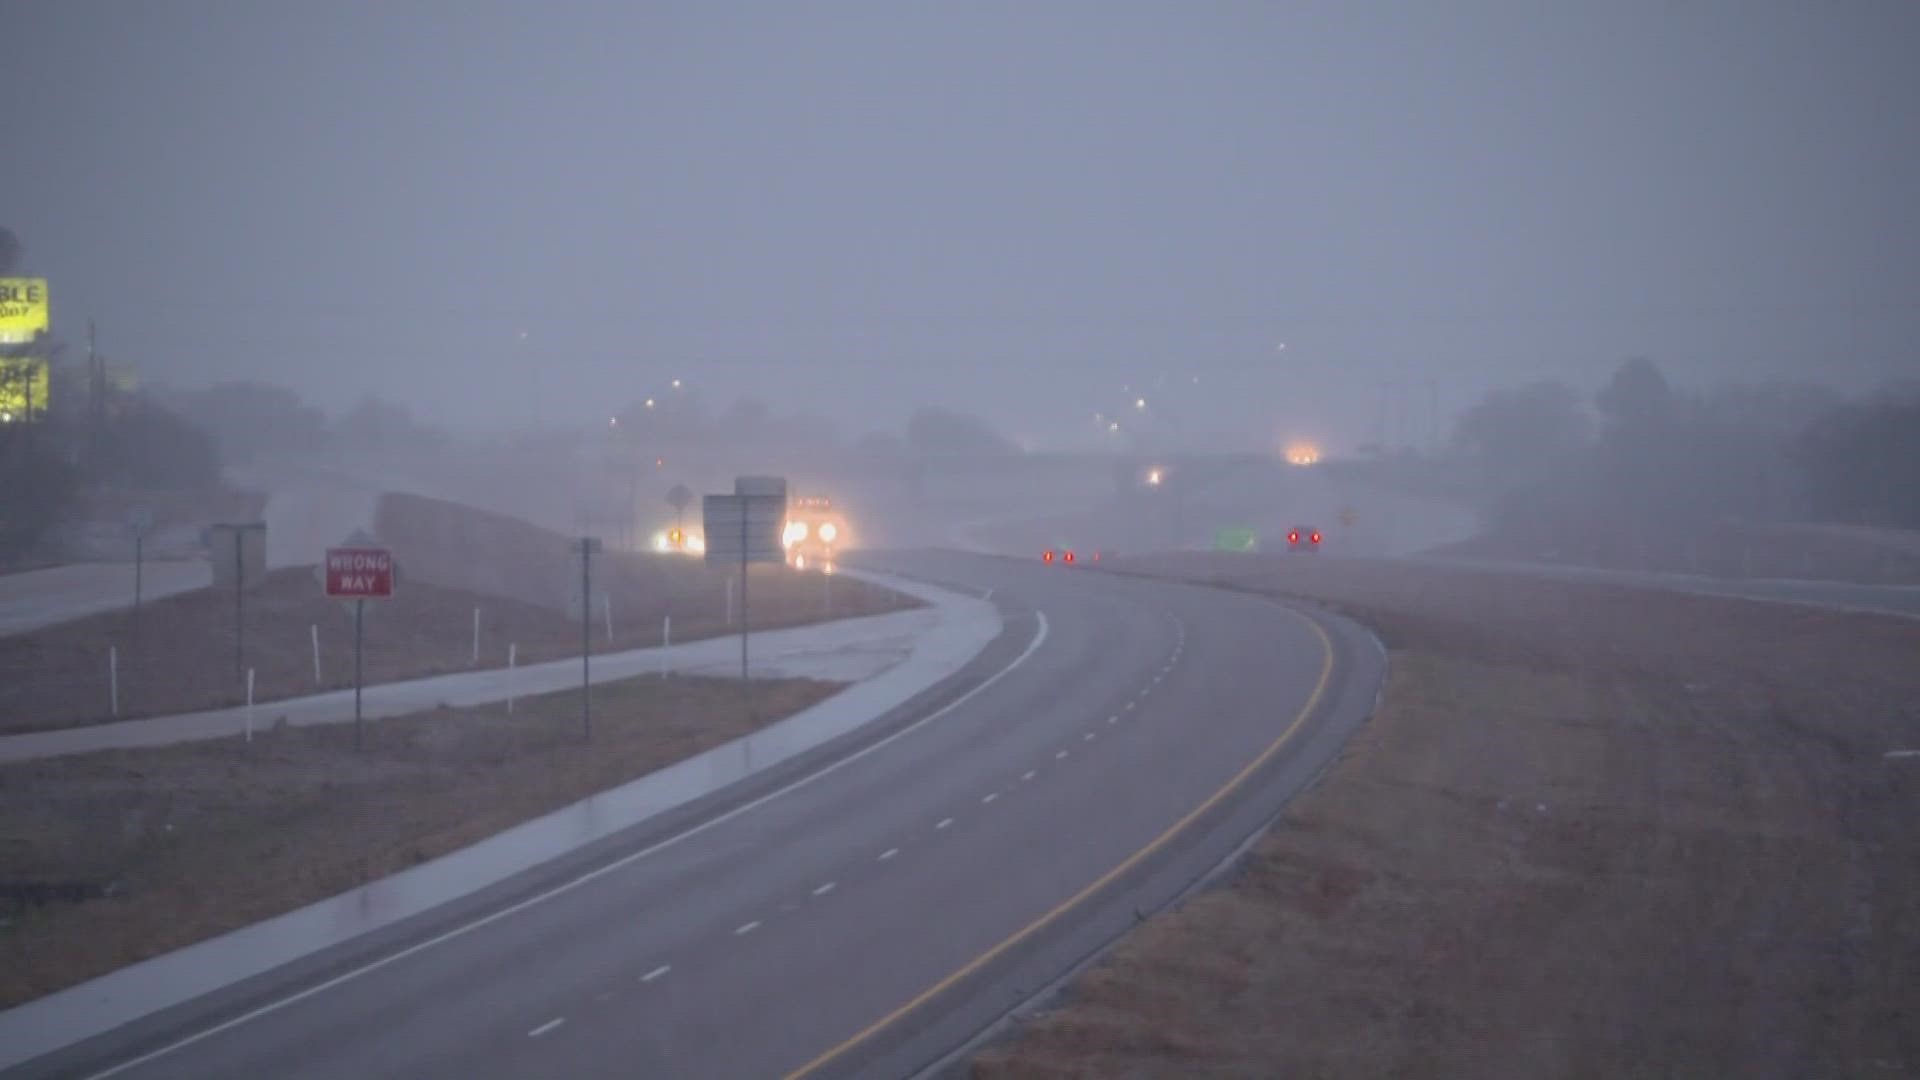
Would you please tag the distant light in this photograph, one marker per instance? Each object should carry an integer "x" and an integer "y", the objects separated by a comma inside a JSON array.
[
  {"x": 649, "y": 403},
  {"x": 829, "y": 532},
  {"x": 1282, "y": 347},
  {"x": 1316, "y": 537},
  {"x": 659, "y": 463},
  {"x": 1069, "y": 556},
  {"x": 1293, "y": 537},
  {"x": 676, "y": 384},
  {"x": 1139, "y": 403},
  {"x": 1114, "y": 426},
  {"x": 1047, "y": 556},
  {"x": 6, "y": 418},
  {"x": 1153, "y": 477},
  {"x": 613, "y": 421}
]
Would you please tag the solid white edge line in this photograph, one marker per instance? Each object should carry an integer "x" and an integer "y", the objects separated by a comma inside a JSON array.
[
  {"x": 546, "y": 1027},
  {"x": 1039, "y": 637},
  {"x": 656, "y": 973}
]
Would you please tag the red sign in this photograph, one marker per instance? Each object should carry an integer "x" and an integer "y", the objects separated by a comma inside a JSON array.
[{"x": 355, "y": 573}]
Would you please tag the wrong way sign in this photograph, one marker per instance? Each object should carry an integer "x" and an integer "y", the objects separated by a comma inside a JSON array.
[{"x": 359, "y": 573}]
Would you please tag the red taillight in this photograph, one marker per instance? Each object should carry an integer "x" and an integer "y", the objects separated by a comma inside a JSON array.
[
  {"x": 1293, "y": 538},
  {"x": 1048, "y": 557},
  {"x": 1316, "y": 538},
  {"x": 1096, "y": 556},
  {"x": 1069, "y": 556}
]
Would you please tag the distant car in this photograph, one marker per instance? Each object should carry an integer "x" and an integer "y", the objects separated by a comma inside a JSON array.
[{"x": 1303, "y": 538}]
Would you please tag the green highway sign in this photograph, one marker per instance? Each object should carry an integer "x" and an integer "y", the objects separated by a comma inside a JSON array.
[{"x": 1234, "y": 540}]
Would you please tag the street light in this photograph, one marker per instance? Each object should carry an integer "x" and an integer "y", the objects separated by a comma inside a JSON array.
[
  {"x": 1140, "y": 403},
  {"x": 1153, "y": 477}
]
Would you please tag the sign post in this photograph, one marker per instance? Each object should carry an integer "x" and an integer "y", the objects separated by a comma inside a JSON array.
[
  {"x": 359, "y": 574},
  {"x": 240, "y": 531},
  {"x": 586, "y": 546},
  {"x": 745, "y": 528},
  {"x": 140, "y": 523}
]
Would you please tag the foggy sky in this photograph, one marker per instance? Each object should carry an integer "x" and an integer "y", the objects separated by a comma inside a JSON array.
[{"x": 1013, "y": 208}]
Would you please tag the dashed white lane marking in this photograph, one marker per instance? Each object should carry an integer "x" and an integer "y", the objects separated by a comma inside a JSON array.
[
  {"x": 1059, "y": 754},
  {"x": 1131, "y": 704},
  {"x": 1902, "y": 753},
  {"x": 1088, "y": 737},
  {"x": 1029, "y": 774},
  {"x": 1039, "y": 638},
  {"x": 944, "y": 822},
  {"x": 824, "y": 889},
  {"x": 546, "y": 1027},
  {"x": 656, "y": 973},
  {"x": 989, "y": 797},
  {"x": 1113, "y": 719},
  {"x": 888, "y": 854},
  {"x": 748, "y": 928}
]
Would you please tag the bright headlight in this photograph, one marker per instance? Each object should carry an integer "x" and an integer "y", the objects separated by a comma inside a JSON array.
[
  {"x": 796, "y": 531},
  {"x": 828, "y": 531}
]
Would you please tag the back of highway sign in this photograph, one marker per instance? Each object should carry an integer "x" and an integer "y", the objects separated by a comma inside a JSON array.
[{"x": 744, "y": 528}]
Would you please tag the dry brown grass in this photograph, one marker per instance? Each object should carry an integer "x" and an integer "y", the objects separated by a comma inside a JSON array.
[
  {"x": 113, "y": 857},
  {"x": 178, "y": 656},
  {"x": 1590, "y": 833}
]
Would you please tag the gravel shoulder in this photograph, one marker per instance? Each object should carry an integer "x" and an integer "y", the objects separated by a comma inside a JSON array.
[{"x": 1592, "y": 831}]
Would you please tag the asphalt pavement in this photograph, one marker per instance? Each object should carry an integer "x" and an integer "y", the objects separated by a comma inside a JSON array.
[
  {"x": 875, "y": 913},
  {"x": 35, "y": 598}
]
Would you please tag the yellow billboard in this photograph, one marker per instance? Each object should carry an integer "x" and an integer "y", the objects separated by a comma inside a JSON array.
[
  {"x": 23, "y": 309},
  {"x": 23, "y": 383}
]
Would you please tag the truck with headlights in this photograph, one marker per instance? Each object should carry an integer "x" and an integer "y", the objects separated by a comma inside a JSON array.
[{"x": 816, "y": 532}]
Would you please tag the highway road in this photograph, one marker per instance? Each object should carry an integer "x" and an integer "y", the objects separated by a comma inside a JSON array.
[
  {"x": 866, "y": 911},
  {"x": 36, "y": 598}
]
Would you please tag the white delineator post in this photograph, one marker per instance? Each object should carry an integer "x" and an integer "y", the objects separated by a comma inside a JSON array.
[
  {"x": 609, "y": 607},
  {"x": 249, "y": 704},
  {"x": 476, "y": 637},
  {"x": 313, "y": 630},
  {"x": 113, "y": 678},
  {"x": 512, "y": 654},
  {"x": 729, "y": 599},
  {"x": 666, "y": 642}
]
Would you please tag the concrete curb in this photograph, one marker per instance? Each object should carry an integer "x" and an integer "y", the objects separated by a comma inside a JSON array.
[{"x": 954, "y": 632}]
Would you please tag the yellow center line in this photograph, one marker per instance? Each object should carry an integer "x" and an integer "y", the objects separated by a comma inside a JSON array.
[{"x": 1313, "y": 700}]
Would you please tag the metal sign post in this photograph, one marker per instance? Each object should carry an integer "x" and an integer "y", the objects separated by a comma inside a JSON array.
[
  {"x": 358, "y": 573},
  {"x": 140, "y": 523},
  {"x": 745, "y": 528},
  {"x": 586, "y": 546},
  {"x": 240, "y": 531}
]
